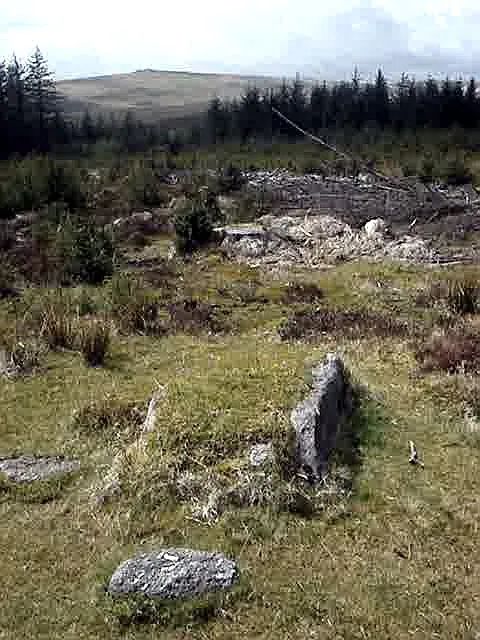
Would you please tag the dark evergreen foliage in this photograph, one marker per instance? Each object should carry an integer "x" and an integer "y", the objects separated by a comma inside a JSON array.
[
  {"x": 353, "y": 105},
  {"x": 32, "y": 118},
  {"x": 195, "y": 223}
]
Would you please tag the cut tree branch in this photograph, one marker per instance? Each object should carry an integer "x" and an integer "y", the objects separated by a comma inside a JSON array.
[{"x": 342, "y": 154}]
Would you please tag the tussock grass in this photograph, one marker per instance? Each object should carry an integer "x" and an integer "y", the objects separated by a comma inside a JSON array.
[
  {"x": 464, "y": 297},
  {"x": 59, "y": 325},
  {"x": 95, "y": 341},
  {"x": 459, "y": 294}
]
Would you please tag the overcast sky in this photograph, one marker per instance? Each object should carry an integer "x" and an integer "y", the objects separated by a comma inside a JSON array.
[{"x": 319, "y": 38}]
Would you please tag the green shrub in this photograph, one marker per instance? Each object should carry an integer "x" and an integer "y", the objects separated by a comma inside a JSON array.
[
  {"x": 195, "y": 223},
  {"x": 145, "y": 187},
  {"x": 35, "y": 182},
  {"x": 85, "y": 251},
  {"x": 64, "y": 185},
  {"x": 66, "y": 249}
]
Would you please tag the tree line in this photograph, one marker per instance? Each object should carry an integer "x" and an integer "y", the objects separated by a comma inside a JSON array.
[
  {"x": 33, "y": 119},
  {"x": 33, "y": 116},
  {"x": 409, "y": 105}
]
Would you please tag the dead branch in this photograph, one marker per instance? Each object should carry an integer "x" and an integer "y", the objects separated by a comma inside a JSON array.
[
  {"x": 414, "y": 459},
  {"x": 342, "y": 154}
]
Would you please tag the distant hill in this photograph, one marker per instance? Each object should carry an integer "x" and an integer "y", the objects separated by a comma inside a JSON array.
[{"x": 155, "y": 94}]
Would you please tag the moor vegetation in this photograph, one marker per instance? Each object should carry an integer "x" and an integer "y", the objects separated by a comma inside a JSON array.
[{"x": 114, "y": 291}]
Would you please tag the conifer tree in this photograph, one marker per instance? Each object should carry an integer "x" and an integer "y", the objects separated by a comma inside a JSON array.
[{"x": 42, "y": 98}]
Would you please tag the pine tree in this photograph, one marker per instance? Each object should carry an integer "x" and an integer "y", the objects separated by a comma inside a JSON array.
[
  {"x": 87, "y": 128},
  {"x": 382, "y": 101},
  {"x": 42, "y": 98},
  {"x": 429, "y": 112},
  {"x": 319, "y": 107},
  {"x": 298, "y": 103},
  {"x": 251, "y": 113},
  {"x": 18, "y": 135},
  {"x": 217, "y": 120},
  {"x": 282, "y": 103},
  {"x": 3, "y": 104},
  {"x": 358, "y": 111},
  {"x": 472, "y": 105}
]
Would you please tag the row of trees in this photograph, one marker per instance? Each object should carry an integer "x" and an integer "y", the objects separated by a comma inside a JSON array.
[
  {"x": 32, "y": 117},
  {"x": 356, "y": 105},
  {"x": 29, "y": 106}
]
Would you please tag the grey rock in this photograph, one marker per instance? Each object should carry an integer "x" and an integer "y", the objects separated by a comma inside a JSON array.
[
  {"x": 246, "y": 241},
  {"x": 319, "y": 419},
  {"x": 28, "y": 469},
  {"x": 174, "y": 574},
  {"x": 378, "y": 225},
  {"x": 261, "y": 454}
]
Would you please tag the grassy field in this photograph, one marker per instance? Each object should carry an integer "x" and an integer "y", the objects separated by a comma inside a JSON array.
[
  {"x": 154, "y": 94},
  {"x": 398, "y": 558}
]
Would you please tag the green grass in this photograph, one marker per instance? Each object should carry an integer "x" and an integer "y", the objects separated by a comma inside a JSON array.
[{"x": 398, "y": 559}]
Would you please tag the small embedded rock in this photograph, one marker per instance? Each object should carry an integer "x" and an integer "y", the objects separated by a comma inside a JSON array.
[
  {"x": 28, "y": 469},
  {"x": 261, "y": 454},
  {"x": 173, "y": 574}
]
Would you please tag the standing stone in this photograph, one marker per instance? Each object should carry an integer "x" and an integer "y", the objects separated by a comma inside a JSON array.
[
  {"x": 319, "y": 419},
  {"x": 174, "y": 574}
]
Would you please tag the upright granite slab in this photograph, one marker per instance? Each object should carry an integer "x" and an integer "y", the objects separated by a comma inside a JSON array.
[{"x": 318, "y": 420}]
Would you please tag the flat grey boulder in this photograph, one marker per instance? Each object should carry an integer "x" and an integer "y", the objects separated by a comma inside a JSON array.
[
  {"x": 173, "y": 574},
  {"x": 27, "y": 469},
  {"x": 318, "y": 420}
]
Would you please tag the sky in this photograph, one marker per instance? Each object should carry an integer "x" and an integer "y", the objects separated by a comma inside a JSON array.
[{"x": 316, "y": 38}]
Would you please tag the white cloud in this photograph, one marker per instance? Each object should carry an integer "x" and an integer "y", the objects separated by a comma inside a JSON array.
[{"x": 278, "y": 36}]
